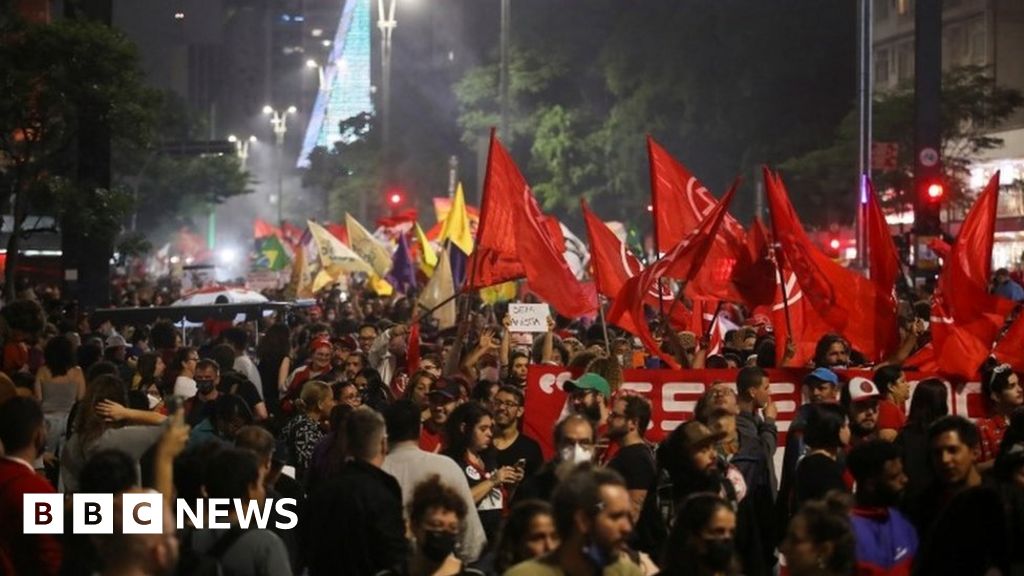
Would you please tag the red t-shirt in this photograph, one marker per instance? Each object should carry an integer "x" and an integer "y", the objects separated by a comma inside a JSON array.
[
  {"x": 890, "y": 415},
  {"x": 29, "y": 553},
  {"x": 430, "y": 441},
  {"x": 991, "y": 431}
]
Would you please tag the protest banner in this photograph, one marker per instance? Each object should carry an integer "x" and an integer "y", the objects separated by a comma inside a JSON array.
[{"x": 674, "y": 393}]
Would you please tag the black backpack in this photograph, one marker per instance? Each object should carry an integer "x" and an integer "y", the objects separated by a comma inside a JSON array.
[{"x": 206, "y": 563}]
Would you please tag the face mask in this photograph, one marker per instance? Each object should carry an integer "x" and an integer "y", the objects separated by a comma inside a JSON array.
[
  {"x": 204, "y": 386},
  {"x": 719, "y": 553},
  {"x": 576, "y": 454},
  {"x": 437, "y": 545},
  {"x": 153, "y": 400}
]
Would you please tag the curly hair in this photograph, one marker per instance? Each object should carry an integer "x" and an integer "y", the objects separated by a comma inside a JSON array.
[{"x": 431, "y": 494}]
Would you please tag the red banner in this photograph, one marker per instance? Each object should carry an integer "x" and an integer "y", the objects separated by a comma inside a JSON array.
[{"x": 674, "y": 394}]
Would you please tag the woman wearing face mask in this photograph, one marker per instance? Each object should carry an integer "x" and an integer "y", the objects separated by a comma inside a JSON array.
[
  {"x": 436, "y": 516},
  {"x": 701, "y": 542},
  {"x": 468, "y": 432}
]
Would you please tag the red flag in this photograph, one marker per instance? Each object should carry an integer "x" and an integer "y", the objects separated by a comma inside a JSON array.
[
  {"x": 338, "y": 231},
  {"x": 883, "y": 257},
  {"x": 613, "y": 263},
  {"x": 1010, "y": 348},
  {"x": 960, "y": 347},
  {"x": 923, "y": 360},
  {"x": 681, "y": 262},
  {"x": 756, "y": 280},
  {"x": 261, "y": 229},
  {"x": 966, "y": 319},
  {"x": 513, "y": 228},
  {"x": 847, "y": 302},
  {"x": 679, "y": 203}
]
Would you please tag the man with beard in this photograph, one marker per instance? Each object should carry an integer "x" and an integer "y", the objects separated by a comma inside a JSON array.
[
  {"x": 886, "y": 540},
  {"x": 860, "y": 397},
  {"x": 832, "y": 352},
  {"x": 592, "y": 513},
  {"x": 512, "y": 448},
  {"x": 588, "y": 396},
  {"x": 444, "y": 398},
  {"x": 627, "y": 424}
]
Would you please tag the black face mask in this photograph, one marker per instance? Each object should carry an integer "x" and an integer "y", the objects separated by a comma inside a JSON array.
[
  {"x": 204, "y": 386},
  {"x": 437, "y": 545},
  {"x": 719, "y": 553}
]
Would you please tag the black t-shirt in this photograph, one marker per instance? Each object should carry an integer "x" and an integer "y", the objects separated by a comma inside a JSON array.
[
  {"x": 636, "y": 465},
  {"x": 816, "y": 475},
  {"x": 523, "y": 447},
  {"x": 232, "y": 382}
]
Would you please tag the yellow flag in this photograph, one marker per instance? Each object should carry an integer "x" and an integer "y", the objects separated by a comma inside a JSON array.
[
  {"x": 380, "y": 286},
  {"x": 301, "y": 285},
  {"x": 367, "y": 247},
  {"x": 335, "y": 257},
  {"x": 456, "y": 225},
  {"x": 323, "y": 279},
  {"x": 499, "y": 292},
  {"x": 428, "y": 258}
]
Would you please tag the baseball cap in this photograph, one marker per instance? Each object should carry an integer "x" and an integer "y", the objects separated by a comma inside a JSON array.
[
  {"x": 319, "y": 343},
  {"x": 822, "y": 375},
  {"x": 447, "y": 388},
  {"x": 589, "y": 381},
  {"x": 861, "y": 389},
  {"x": 345, "y": 342},
  {"x": 696, "y": 435},
  {"x": 116, "y": 340}
]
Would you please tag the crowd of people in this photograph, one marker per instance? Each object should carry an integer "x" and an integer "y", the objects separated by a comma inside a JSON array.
[{"x": 404, "y": 447}]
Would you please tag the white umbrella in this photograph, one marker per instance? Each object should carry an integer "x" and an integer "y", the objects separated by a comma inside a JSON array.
[{"x": 210, "y": 294}]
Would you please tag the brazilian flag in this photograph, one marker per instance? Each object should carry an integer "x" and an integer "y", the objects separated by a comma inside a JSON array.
[{"x": 270, "y": 254}]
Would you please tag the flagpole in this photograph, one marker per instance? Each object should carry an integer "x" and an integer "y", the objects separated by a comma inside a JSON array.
[
  {"x": 654, "y": 215},
  {"x": 711, "y": 325},
  {"x": 604, "y": 324},
  {"x": 785, "y": 296}
]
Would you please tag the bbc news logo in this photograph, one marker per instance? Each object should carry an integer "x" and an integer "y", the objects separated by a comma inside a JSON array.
[{"x": 144, "y": 513}]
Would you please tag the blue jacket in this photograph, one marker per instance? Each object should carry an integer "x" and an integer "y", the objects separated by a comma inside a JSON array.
[{"x": 886, "y": 542}]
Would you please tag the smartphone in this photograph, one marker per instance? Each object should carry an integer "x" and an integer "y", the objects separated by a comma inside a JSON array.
[{"x": 521, "y": 464}]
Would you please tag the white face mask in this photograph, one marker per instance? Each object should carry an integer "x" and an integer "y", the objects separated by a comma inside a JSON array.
[
  {"x": 576, "y": 454},
  {"x": 153, "y": 400}
]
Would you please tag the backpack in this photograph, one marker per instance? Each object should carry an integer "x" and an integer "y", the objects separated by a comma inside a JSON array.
[{"x": 196, "y": 563}]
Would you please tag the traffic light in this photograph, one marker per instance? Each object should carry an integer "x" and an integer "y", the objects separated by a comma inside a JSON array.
[
  {"x": 931, "y": 196},
  {"x": 395, "y": 198}
]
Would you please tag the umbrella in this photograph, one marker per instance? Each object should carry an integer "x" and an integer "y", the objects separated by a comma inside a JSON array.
[{"x": 209, "y": 295}]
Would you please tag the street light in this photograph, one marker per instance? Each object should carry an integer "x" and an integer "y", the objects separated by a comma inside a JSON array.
[
  {"x": 314, "y": 65},
  {"x": 279, "y": 121},
  {"x": 242, "y": 147}
]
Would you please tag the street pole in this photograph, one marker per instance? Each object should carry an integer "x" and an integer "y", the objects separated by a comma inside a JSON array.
[
  {"x": 503, "y": 80},
  {"x": 453, "y": 174},
  {"x": 386, "y": 23},
  {"x": 279, "y": 122},
  {"x": 864, "y": 92}
]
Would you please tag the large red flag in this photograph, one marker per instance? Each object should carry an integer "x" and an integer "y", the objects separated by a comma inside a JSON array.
[
  {"x": 1010, "y": 348},
  {"x": 884, "y": 260},
  {"x": 847, "y": 302},
  {"x": 682, "y": 263},
  {"x": 613, "y": 264},
  {"x": 679, "y": 203},
  {"x": 514, "y": 229},
  {"x": 963, "y": 311}
]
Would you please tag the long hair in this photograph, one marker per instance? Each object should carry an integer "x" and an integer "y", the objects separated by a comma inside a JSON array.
[
  {"x": 88, "y": 424},
  {"x": 59, "y": 355},
  {"x": 927, "y": 404},
  {"x": 510, "y": 542},
  {"x": 681, "y": 553},
  {"x": 146, "y": 367},
  {"x": 459, "y": 428}
]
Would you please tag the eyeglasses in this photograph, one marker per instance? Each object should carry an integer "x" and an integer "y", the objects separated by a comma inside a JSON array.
[
  {"x": 192, "y": 359},
  {"x": 505, "y": 404}
]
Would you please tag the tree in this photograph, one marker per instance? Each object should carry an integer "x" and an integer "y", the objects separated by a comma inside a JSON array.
[
  {"x": 56, "y": 78},
  {"x": 972, "y": 105},
  {"x": 348, "y": 174}
]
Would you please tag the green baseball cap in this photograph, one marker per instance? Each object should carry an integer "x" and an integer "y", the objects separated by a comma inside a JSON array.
[{"x": 589, "y": 381}]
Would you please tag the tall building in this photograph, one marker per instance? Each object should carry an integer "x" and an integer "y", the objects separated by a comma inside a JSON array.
[{"x": 986, "y": 33}]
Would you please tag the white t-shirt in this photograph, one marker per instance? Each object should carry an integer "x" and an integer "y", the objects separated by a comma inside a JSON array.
[{"x": 185, "y": 387}]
